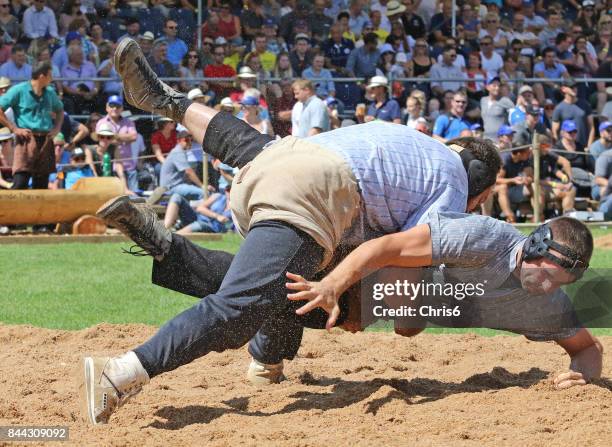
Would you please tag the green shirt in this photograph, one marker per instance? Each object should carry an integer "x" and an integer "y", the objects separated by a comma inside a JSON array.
[{"x": 31, "y": 111}]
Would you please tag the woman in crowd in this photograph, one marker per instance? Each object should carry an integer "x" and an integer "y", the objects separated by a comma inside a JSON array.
[
  {"x": 414, "y": 111},
  {"x": 386, "y": 63},
  {"x": 251, "y": 115},
  {"x": 70, "y": 11},
  {"x": 420, "y": 64},
  {"x": 163, "y": 140},
  {"x": 282, "y": 70},
  {"x": 229, "y": 24},
  {"x": 477, "y": 77},
  {"x": 587, "y": 21},
  {"x": 190, "y": 68},
  {"x": 9, "y": 22}
]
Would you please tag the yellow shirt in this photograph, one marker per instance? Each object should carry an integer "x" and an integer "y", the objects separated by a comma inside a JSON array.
[
  {"x": 349, "y": 35},
  {"x": 268, "y": 59},
  {"x": 382, "y": 35},
  {"x": 233, "y": 60}
]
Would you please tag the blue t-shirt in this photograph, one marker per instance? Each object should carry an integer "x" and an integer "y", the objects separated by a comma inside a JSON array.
[
  {"x": 449, "y": 127},
  {"x": 389, "y": 111},
  {"x": 555, "y": 72}
]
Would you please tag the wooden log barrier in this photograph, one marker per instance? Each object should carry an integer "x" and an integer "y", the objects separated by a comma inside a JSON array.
[{"x": 40, "y": 206}]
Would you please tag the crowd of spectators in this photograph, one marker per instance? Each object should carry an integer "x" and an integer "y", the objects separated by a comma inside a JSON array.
[{"x": 285, "y": 67}]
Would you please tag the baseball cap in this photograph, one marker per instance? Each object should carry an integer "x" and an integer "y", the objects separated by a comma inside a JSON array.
[
  {"x": 525, "y": 89},
  {"x": 505, "y": 130},
  {"x": 220, "y": 40},
  {"x": 59, "y": 137},
  {"x": 605, "y": 125},
  {"x": 5, "y": 82},
  {"x": 269, "y": 22},
  {"x": 401, "y": 58},
  {"x": 182, "y": 131},
  {"x": 115, "y": 99},
  {"x": 300, "y": 24},
  {"x": 246, "y": 73},
  {"x": 148, "y": 35},
  {"x": 249, "y": 101},
  {"x": 475, "y": 127},
  {"x": 105, "y": 129},
  {"x": 72, "y": 35},
  {"x": 330, "y": 100},
  {"x": 77, "y": 152},
  {"x": 569, "y": 126},
  {"x": 303, "y": 5},
  {"x": 378, "y": 81},
  {"x": 527, "y": 2},
  {"x": 532, "y": 110},
  {"x": 302, "y": 36},
  {"x": 586, "y": 3},
  {"x": 227, "y": 102},
  {"x": 492, "y": 79},
  {"x": 387, "y": 48}
]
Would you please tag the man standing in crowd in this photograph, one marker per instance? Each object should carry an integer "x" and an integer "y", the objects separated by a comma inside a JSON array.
[
  {"x": 309, "y": 114},
  {"x": 450, "y": 125},
  {"x": 324, "y": 84},
  {"x": 603, "y": 182},
  {"x": 38, "y": 118},
  {"x": 530, "y": 126},
  {"x": 517, "y": 115},
  {"x": 124, "y": 135},
  {"x": 337, "y": 50},
  {"x": 494, "y": 108},
  {"x": 568, "y": 109}
]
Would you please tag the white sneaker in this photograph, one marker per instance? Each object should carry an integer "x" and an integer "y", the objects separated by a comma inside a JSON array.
[
  {"x": 108, "y": 383},
  {"x": 262, "y": 374}
]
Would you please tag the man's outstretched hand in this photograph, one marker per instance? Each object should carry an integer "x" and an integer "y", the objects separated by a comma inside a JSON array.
[
  {"x": 318, "y": 294},
  {"x": 569, "y": 379}
]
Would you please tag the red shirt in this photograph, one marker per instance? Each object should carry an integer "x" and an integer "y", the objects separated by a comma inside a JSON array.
[
  {"x": 219, "y": 71},
  {"x": 166, "y": 144}
]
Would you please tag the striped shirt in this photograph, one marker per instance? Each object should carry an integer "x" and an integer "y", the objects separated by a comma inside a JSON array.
[
  {"x": 403, "y": 175},
  {"x": 477, "y": 249}
]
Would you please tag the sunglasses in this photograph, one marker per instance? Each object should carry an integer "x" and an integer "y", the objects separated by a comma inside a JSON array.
[
  {"x": 486, "y": 44},
  {"x": 171, "y": 27},
  {"x": 105, "y": 137},
  {"x": 193, "y": 56},
  {"x": 5, "y": 5},
  {"x": 459, "y": 102}
]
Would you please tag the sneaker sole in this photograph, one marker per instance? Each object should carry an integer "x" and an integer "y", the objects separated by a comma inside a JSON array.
[
  {"x": 88, "y": 388},
  {"x": 109, "y": 206}
]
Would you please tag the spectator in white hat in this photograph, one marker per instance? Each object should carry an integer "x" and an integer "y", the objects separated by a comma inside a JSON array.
[{"x": 382, "y": 108}]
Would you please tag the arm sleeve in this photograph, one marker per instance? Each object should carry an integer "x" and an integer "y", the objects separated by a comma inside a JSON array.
[
  {"x": 440, "y": 124},
  {"x": 601, "y": 165},
  {"x": 350, "y": 63},
  {"x": 465, "y": 240},
  {"x": 396, "y": 112},
  {"x": 320, "y": 118},
  {"x": 181, "y": 162},
  {"x": 8, "y": 99},
  {"x": 556, "y": 117}
]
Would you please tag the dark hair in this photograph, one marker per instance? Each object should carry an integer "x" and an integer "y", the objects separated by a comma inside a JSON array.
[
  {"x": 342, "y": 15},
  {"x": 485, "y": 151},
  {"x": 574, "y": 235},
  {"x": 169, "y": 19},
  {"x": 448, "y": 48},
  {"x": 17, "y": 48},
  {"x": 548, "y": 50},
  {"x": 41, "y": 69},
  {"x": 185, "y": 60},
  {"x": 560, "y": 38},
  {"x": 77, "y": 23},
  {"x": 370, "y": 38}
]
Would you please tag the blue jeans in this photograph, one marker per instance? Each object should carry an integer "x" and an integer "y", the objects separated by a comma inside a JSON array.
[
  {"x": 189, "y": 192},
  {"x": 605, "y": 206},
  {"x": 251, "y": 299}
]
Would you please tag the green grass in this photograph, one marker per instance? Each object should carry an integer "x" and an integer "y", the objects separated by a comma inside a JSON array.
[{"x": 73, "y": 286}]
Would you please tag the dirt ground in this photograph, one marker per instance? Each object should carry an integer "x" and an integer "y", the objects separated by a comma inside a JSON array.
[
  {"x": 343, "y": 389},
  {"x": 604, "y": 241}
]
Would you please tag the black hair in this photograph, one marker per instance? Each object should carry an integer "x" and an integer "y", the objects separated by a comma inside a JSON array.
[
  {"x": 41, "y": 69},
  {"x": 485, "y": 151},
  {"x": 370, "y": 38}
]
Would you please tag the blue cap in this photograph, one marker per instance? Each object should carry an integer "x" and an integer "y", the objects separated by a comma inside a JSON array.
[
  {"x": 475, "y": 127},
  {"x": 249, "y": 101},
  {"x": 569, "y": 126},
  {"x": 269, "y": 22},
  {"x": 115, "y": 99},
  {"x": 605, "y": 125},
  {"x": 330, "y": 100},
  {"x": 492, "y": 78},
  {"x": 527, "y": 2},
  {"x": 72, "y": 35},
  {"x": 505, "y": 130}
]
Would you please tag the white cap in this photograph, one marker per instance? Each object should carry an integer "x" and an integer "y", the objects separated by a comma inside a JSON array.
[
  {"x": 401, "y": 58},
  {"x": 195, "y": 93},
  {"x": 227, "y": 102},
  {"x": 246, "y": 73},
  {"x": 105, "y": 129},
  {"x": 378, "y": 81},
  {"x": 220, "y": 40},
  {"x": 387, "y": 48}
]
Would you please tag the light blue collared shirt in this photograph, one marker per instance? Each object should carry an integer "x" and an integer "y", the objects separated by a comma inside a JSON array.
[{"x": 403, "y": 175}]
